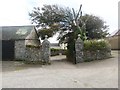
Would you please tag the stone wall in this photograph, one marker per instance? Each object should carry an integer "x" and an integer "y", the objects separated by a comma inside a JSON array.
[
  {"x": 23, "y": 52},
  {"x": 19, "y": 49},
  {"x": 96, "y": 55},
  {"x": 33, "y": 54}
]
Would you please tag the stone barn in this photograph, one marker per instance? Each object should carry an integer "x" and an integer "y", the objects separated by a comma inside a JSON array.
[{"x": 13, "y": 38}]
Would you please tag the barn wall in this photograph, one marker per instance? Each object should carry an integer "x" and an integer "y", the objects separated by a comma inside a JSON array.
[{"x": 20, "y": 49}]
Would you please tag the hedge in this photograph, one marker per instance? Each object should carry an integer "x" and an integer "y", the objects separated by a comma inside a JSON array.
[
  {"x": 94, "y": 45},
  {"x": 55, "y": 52}
]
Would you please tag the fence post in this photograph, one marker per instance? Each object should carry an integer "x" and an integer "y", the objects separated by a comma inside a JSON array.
[{"x": 79, "y": 50}]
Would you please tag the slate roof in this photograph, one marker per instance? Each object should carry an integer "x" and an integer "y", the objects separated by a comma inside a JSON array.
[{"x": 15, "y": 32}]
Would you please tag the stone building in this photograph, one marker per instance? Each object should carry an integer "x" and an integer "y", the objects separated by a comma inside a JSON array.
[
  {"x": 23, "y": 43},
  {"x": 13, "y": 38}
]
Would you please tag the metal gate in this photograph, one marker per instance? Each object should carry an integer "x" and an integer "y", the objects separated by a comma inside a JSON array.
[{"x": 7, "y": 49}]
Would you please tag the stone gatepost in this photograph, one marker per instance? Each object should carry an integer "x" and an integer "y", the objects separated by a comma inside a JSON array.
[
  {"x": 46, "y": 50},
  {"x": 79, "y": 50}
]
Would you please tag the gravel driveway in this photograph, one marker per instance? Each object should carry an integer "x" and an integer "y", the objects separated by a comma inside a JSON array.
[{"x": 62, "y": 74}]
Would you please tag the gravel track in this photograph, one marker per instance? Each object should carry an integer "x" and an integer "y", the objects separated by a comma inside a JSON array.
[{"x": 61, "y": 74}]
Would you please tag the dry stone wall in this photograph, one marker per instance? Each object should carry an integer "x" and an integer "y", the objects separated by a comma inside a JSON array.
[
  {"x": 96, "y": 55},
  {"x": 19, "y": 49},
  {"x": 31, "y": 53}
]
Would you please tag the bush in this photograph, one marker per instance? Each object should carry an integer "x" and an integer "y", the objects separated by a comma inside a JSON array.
[
  {"x": 55, "y": 51},
  {"x": 95, "y": 45}
]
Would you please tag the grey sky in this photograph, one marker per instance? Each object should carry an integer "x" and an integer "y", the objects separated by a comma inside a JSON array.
[
  {"x": 119, "y": 15},
  {"x": 15, "y": 12}
]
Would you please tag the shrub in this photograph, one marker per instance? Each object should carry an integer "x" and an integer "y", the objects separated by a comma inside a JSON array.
[
  {"x": 95, "y": 45},
  {"x": 55, "y": 51}
]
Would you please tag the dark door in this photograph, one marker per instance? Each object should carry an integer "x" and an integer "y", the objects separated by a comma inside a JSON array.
[{"x": 7, "y": 49}]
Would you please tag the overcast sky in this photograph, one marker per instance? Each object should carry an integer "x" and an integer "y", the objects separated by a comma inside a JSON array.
[{"x": 15, "y": 12}]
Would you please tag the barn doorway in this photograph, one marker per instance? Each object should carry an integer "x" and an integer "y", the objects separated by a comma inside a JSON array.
[{"x": 7, "y": 50}]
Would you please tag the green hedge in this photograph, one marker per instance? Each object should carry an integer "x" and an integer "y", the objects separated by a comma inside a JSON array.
[
  {"x": 94, "y": 45},
  {"x": 55, "y": 51}
]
